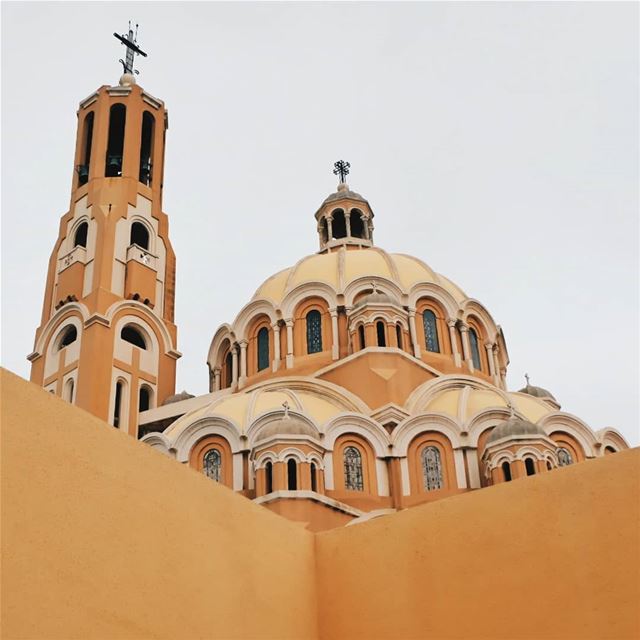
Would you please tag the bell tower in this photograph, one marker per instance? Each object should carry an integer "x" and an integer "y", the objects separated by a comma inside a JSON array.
[{"x": 107, "y": 338}]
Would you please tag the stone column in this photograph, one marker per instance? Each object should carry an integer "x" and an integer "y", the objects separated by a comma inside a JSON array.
[
  {"x": 289, "y": 325},
  {"x": 216, "y": 379},
  {"x": 243, "y": 361},
  {"x": 496, "y": 366},
  {"x": 466, "y": 349},
  {"x": 454, "y": 342},
  {"x": 489, "y": 347},
  {"x": 347, "y": 222},
  {"x": 234, "y": 365},
  {"x": 335, "y": 338},
  {"x": 414, "y": 333},
  {"x": 276, "y": 345},
  {"x": 329, "y": 228},
  {"x": 365, "y": 225}
]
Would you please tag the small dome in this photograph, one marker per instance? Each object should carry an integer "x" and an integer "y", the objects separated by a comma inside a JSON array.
[
  {"x": 177, "y": 397},
  {"x": 376, "y": 297},
  {"x": 514, "y": 427},
  {"x": 342, "y": 193},
  {"x": 537, "y": 392},
  {"x": 290, "y": 426}
]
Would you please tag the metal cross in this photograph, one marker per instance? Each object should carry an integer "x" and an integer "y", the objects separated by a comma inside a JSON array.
[
  {"x": 342, "y": 169},
  {"x": 286, "y": 407},
  {"x": 130, "y": 41},
  {"x": 526, "y": 377}
]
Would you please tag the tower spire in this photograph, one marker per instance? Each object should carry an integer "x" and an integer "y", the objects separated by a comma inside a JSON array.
[{"x": 130, "y": 40}]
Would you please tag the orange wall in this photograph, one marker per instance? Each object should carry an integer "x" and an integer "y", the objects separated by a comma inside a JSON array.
[
  {"x": 103, "y": 537},
  {"x": 551, "y": 556}
]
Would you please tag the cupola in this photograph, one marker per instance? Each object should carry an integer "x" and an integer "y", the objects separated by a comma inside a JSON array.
[
  {"x": 538, "y": 392},
  {"x": 345, "y": 217}
]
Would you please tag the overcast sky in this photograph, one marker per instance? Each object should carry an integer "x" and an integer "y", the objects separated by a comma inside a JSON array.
[{"x": 498, "y": 142}]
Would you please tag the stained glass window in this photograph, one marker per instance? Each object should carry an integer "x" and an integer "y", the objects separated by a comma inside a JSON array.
[
  {"x": 475, "y": 353},
  {"x": 432, "y": 469},
  {"x": 212, "y": 465},
  {"x": 314, "y": 332},
  {"x": 263, "y": 348},
  {"x": 430, "y": 331},
  {"x": 564, "y": 457},
  {"x": 353, "y": 469}
]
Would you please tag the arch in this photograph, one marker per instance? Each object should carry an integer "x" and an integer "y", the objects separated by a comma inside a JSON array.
[
  {"x": 68, "y": 335},
  {"x": 119, "y": 400},
  {"x": 530, "y": 466},
  {"x": 292, "y": 475},
  {"x": 435, "y": 423},
  {"x": 572, "y": 425},
  {"x": 506, "y": 471},
  {"x": 68, "y": 390},
  {"x": 474, "y": 348},
  {"x": 115, "y": 141},
  {"x": 486, "y": 325},
  {"x": 564, "y": 457},
  {"x": 146, "y": 147},
  {"x": 356, "y": 223},
  {"x": 188, "y": 436},
  {"x": 362, "y": 342},
  {"x": 268, "y": 476},
  {"x": 313, "y": 321},
  {"x": 80, "y": 235},
  {"x": 228, "y": 370},
  {"x": 212, "y": 464},
  {"x": 431, "y": 463},
  {"x": 145, "y": 395},
  {"x": 338, "y": 224},
  {"x": 370, "y": 431},
  {"x": 85, "y": 149},
  {"x": 399, "y": 338},
  {"x": 139, "y": 235},
  {"x": 568, "y": 441},
  {"x": 219, "y": 465},
  {"x": 363, "y": 285},
  {"x": 314, "y": 476},
  {"x": 381, "y": 333},
  {"x": 262, "y": 349},
  {"x": 254, "y": 313},
  {"x": 431, "y": 293},
  {"x": 430, "y": 327},
  {"x": 134, "y": 335}
]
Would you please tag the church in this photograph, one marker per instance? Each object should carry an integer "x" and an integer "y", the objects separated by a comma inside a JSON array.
[{"x": 353, "y": 384}]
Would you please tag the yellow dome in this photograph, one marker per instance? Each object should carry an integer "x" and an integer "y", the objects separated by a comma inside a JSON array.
[{"x": 339, "y": 268}]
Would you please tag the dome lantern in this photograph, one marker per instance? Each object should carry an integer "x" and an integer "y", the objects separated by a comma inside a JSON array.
[{"x": 345, "y": 217}]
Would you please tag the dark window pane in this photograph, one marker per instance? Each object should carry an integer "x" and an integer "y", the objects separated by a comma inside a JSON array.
[
  {"x": 314, "y": 332},
  {"x": 430, "y": 331}
]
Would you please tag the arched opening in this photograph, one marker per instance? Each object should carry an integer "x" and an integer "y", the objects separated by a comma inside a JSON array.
[
  {"x": 144, "y": 398},
  {"x": 263, "y": 348},
  {"x": 132, "y": 335},
  {"x": 80, "y": 237},
  {"x": 361, "y": 339},
  {"x": 338, "y": 225},
  {"x": 381, "y": 334},
  {"x": 292, "y": 475},
  {"x": 69, "y": 335},
  {"x": 68, "y": 391},
  {"x": 85, "y": 158},
  {"x": 146, "y": 147},
  {"x": 314, "y": 331},
  {"x": 564, "y": 457},
  {"x": 432, "y": 469},
  {"x": 609, "y": 450},
  {"x": 430, "y": 331},
  {"x": 530, "y": 466},
  {"x": 212, "y": 464},
  {"x": 117, "y": 405},
  {"x": 399, "y": 336},
  {"x": 353, "y": 478},
  {"x": 475, "y": 351},
  {"x": 115, "y": 144},
  {"x": 139, "y": 235},
  {"x": 506, "y": 471},
  {"x": 268, "y": 477},
  {"x": 356, "y": 224},
  {"x": 314, "y": 479},
  {"x": 549, "y": 466},
  {"x": 228, "y": 368}
]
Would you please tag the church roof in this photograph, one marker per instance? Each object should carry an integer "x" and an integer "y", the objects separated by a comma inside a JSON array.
[{"x": 339, "y": 268}]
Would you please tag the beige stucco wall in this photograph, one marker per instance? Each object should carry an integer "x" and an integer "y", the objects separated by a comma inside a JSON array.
[
  {"x": 553, "y": 556},
  {"x": 102, "y": 537}
]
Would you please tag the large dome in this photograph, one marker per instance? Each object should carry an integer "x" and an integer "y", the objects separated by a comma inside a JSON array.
[{"x": 340, "y": 268}]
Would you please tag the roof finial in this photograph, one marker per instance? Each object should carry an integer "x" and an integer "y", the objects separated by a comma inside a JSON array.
[
  {"x": 374, "y": 286},
  {"x": 526, "y": 377},
  {"x": 130, "y": 41},
  {"x": 286, "y": 407},
  {"x": 341, "y": 169},
  {"x": 512, "y": 410}
]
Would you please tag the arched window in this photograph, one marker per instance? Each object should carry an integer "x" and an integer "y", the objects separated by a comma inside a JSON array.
[
  {"x": 564, "y": 457},
  {"x": 144, "y": 399},
  {"x": 530, "y": 466},
  {"x": 115, "y": 145},
  {"x": 353, "y": 479},
  {"x": 80, "y": 237},
  {"x": 475, "y": 352},
  {"x": 69, "y": 335},
  {"x": 292, "y": 475},
  {"x": 356, "y": 224},
  {"x": 117, "y": 405},
  {"x": 608, "y": 450},
  {"x": 430, "y": 331},
  {"x": 132, "y": 335},
  {"x": 314, "y": 479},
  {"x": 506, "y": 471},
  {"x": 314, "y": 332},
  {"x": 139, "y": 235},
  {"x": 85, "y": 158},
  {"x": 146, "y": 147},
  {"x": 68, "y": 391},
  {"x": 263, "y": 348},
  {"x": 212, "y": 464},
  {"x": 338, "y": 226},
  {"x": 381, "y": 334},
  {"x": 228, "y": 366},
  {"x": 361, "y": 336},
  {"x": 432, "y": 469},
  {"x": 268, "y": 477},
  {"x": 549, "y": 465},
  {"x": 399, "y": 336}
]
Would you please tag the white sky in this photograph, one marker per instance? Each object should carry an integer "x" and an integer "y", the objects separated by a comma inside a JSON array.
[{"x": 498, "y": 142}]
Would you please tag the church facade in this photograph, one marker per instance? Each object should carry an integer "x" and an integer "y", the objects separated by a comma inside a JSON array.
[{"x": 353, "y": 384}]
